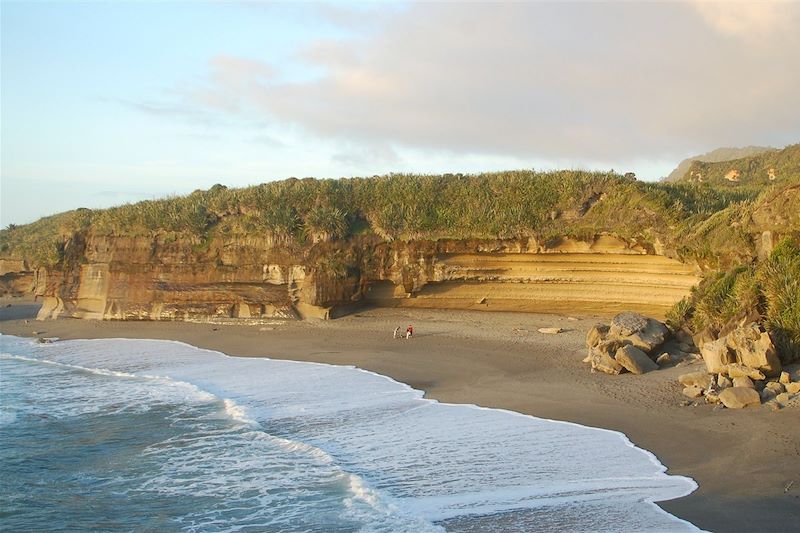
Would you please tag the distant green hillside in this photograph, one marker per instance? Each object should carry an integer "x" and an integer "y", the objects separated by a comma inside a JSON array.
[
  {"x": 753, "y": 171},
  {"x": 715, "y": 156}
]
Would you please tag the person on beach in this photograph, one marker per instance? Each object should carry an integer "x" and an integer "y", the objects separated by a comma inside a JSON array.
[
  {"x": 409, "y": 331},
  {"x": 396, "y": 331}
]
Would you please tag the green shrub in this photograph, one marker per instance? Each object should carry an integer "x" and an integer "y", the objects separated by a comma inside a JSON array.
[
  {"x": 780, "y": 278},
  {"x": 680, "y": 313},
  {"x": 729, "y": 295},
  {"x": 772, "y": 288},
  {"x": 326, "y": 222},
  {"x": 716, "y": 304}
]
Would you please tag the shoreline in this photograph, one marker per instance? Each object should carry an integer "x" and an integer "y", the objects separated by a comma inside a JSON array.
[{"x": 741, "y": 460}]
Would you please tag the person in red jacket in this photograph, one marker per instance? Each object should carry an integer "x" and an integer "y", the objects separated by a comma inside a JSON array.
[{"x": 409, "y": 331}]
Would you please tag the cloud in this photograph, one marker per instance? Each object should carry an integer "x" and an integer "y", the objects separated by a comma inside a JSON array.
[
  {"x": 361, "y": 156},
  {"x": 356, "y": 16},
  {"x": 589, "y": 82},
  {"x": 750, "y": 20},
  {"x": 265, "y": 140},
  {"x": 157, "y": 108},
  {"x": 239, "y": 69}
]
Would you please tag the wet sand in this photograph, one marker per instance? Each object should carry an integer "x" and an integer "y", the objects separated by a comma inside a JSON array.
[{"x": 746, "y": 462}]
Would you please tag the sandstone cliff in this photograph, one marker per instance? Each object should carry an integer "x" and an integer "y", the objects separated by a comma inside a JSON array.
[
  {"x": 16, "y": 278},
  {"x": 149, "y": 279},
  {"x": 520, "y": 240}
]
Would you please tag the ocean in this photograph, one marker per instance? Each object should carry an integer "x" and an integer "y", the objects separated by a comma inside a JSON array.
[{"x": 142, "y": 435}]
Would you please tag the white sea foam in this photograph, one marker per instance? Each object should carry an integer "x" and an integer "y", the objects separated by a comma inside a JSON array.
[
  {"x": 237, "y": 412},
  {"x": 400, "y": 461}
]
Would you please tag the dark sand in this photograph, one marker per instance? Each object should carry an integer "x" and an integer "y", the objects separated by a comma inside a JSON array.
[{"x": 746, "y": 462}]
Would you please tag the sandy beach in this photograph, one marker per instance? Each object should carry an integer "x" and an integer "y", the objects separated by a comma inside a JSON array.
[{"x": 747, "y": 463}]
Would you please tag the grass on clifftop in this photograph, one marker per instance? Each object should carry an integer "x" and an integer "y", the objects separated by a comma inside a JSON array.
[
  {"x": 700, "y": 220},
  {"x": 513, "y": 204}
]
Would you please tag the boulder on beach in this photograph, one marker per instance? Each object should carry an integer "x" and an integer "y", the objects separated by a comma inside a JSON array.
[
  {"x": 602, "y": 359},
  {"x": 748, "y": 346},
  {"x": 647, "y": 334},
  {"x": 693, "y": 392},
  {"x": 695, "y": 379},
  {"x": 736, "y": 370},
  {"x": 743, "y": 381},
  {"x": 550, "y": 331},
  {"x": 793, "y": 387},
  {"x": 712, "y": 396},
  {"x": 651, "y": 337},
  {"x": 775, "y": 387},
  {"x": 626, "y": 324},
  {"x": 739, "y": 397},
  {"x": 643, "y": 335},
  {"x": 634, "y": 360},
  {"x": 683, "y": 347},
  {"x": 767, "y": 395},
  {"x": 704, "y": 336},
  {"x": 596, "y": 335},
  {"x": 684, "y": 336},
  {"x": 717, "y": 355},
  {"x": 754, "y": 348}
]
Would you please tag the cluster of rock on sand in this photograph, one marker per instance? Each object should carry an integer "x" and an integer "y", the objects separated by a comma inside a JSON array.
[
  {"x": 637, "y": 344},
  {"x": 742, "y": 367}
]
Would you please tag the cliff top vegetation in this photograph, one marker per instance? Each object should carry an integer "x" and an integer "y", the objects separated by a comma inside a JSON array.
[{"x": 707, "y": 220}]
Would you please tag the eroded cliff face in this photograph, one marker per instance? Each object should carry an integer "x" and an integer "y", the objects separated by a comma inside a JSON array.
[
  {"x": 16, "y": 278},
  {"x": 137, "y": 278}
]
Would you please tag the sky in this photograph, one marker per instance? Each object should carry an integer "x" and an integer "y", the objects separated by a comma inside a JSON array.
[{"x": 103, "y": 103}]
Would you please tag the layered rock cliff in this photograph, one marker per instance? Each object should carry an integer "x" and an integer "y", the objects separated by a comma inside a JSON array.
[
  {"x": 563, "y": 241},
  {"x": 137, "y": 278}
]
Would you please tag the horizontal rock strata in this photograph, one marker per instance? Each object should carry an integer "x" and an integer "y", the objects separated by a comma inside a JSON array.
[
  {"x": 144, "y": 278},
  {"x": 602, "y": 283}
]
